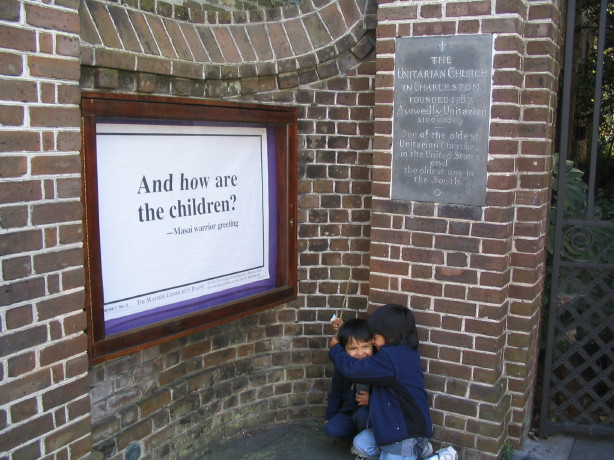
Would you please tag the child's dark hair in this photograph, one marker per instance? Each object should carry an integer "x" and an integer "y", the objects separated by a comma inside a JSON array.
[
  {"x": 396, "y": 324},
  {"x": 354, "y": 328}
]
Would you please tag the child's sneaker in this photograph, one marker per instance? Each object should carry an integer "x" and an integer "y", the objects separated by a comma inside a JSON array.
[
  {"x": 447, "y": 453},
  {"x": 427, "y": 450},
  {"x": 360, "y": 456}
]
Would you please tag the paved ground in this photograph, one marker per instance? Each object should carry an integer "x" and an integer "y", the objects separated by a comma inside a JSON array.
[
  {"x": 564, "y": 447},
  {"x": 296, "y": 442},
  {"x": 308, "y": 442}
]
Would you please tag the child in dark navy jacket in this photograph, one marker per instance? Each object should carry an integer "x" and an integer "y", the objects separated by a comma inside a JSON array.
[
  {"x": 398, "y": 403},
  {"x": 347, "y": 412}
]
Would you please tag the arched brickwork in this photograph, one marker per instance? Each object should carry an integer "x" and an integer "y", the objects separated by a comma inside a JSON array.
[{"x": 250, "y": 52}]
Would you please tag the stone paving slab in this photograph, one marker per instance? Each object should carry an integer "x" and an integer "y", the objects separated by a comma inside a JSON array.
[
  {"x": 565, "y": 447},
  {"x": 296, "y": 442},
  {"x": 308, "y": 442},
  {"x": 591, "y": 449}
]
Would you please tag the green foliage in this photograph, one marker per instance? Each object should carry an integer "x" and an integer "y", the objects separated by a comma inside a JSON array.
[
  {"x": 574, "y": 199},
  {"x": 507, "y": 451},
  {"x": 584, "y": 87}
]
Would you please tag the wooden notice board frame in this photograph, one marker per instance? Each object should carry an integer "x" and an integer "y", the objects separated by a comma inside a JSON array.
[{"x": 278, "y": 125}]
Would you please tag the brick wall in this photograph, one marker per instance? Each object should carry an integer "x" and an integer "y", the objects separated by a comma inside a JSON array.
[
  {"x": 44, "y": 403},
  {"x": 185, "y": 396},
  {"x": 271, "y": 367},
  {"x": 474, "y": 275}
]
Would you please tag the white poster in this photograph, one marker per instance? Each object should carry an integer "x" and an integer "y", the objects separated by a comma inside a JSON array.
[{"x": 183, "y": 212}]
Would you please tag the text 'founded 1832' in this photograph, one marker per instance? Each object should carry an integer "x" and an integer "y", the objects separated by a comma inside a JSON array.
[{"x": 441, "y": 118}]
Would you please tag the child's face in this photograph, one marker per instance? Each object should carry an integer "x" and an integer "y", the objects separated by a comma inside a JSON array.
[
  {"x": 359, "y": 350},
  {"x": 378, "y": 341}
]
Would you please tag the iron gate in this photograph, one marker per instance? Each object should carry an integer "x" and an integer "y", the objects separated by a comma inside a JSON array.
[{"x": 578, "y": 380}]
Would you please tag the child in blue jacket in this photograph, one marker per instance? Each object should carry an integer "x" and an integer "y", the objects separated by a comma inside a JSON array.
[
  {"x": 398, "y": 403},
  {"x": 347, "y": 412}
]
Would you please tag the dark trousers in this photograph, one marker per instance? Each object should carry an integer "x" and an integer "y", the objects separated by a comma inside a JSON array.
[{"x": 344, "y": 425}]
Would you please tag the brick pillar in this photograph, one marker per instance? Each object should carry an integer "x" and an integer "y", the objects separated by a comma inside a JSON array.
[
  {"x": 44, "y": 402},
  {"x": 474, "y": 274}
]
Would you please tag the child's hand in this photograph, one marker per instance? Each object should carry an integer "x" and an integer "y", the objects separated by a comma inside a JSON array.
[
  {"x": 337, "y": 323},
  {"x": 334, "y": 341},
  {"x": 362, "y": 398}
]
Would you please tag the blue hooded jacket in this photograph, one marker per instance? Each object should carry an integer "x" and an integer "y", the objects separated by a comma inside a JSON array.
[
  {"x": 398, "y": 403},
  {"x": 342, "y": 396}
]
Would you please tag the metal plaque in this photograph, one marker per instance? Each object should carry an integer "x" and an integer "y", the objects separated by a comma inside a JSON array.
[{"x": 441, "y": 118}]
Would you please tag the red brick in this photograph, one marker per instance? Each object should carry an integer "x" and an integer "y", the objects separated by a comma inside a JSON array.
[
  {"x": 17, "y": 38},
  {"x": 450, "y": 370},
  {"x": 333, "y": 20},
  {"x": 17, "y": 242},
  {"x": 56, "y": 164},
  {"x": 23, "y": 386},
  {"x": 494, "y": 279},
  {"x": 526, "y": 276},
  {"x": 468, "y": 27},
  {"x": 49, "y": 67},
  {"x": 510, "y": 43},
  {"x": 22, "y": 291},
  {"x": 505, "y": 95},
  {"x": 11, "y": 65},
  {"x": 430, "y": 11},
  {"x": 505, "y": 112},
  {"x": 481, "y": 359},
  {"x": 423, "y": 255},
  {"x": 491, "y": 230},
  {"x": 502, "y": 25},
  {"x": 14, "y": 141},
  {"x": 536, "y": 97},
  {"x": 11, "y": 115},
  {"x": 66, "y": 392},
  {"x": 456, "y": 275},
  {"x": 70, "y": 233},
  {"x": 22, "y": 434},
  {"x": 56, "y": 212},
  {"x": 446, "y": 337},
  {"x": 10, "y": 11},
  {"x": 58, "y": 260},
  {"x": 350, "y": 12},
  {"x": 24, "y": 410},
  {"x": 477, "y": 8},
  {"x": 104, "y": 24},
  {"x": 457, "y": 243},
  {"x": 434, "y": 28},
  {"x": 69, "y": 188},
  {"x": 455, "y": 405},
  {"x": 495, "y": 296},
  {"x": 390, "y": 267},
  {"x": 50, "y": 117},
  {"x": 511, "y": 6},
  {"x": 52, "y": 18},
  {"x": 421, "y": 287},
  {"x": 22, "y": 340},
  {"x": 401, "y": 13},
  {"x": 57, "y": 306}
]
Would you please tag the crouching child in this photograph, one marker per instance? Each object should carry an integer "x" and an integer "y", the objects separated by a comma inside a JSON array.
[
  {"x": 347, "y": 412},
  {"x": 398, "y": 403}
]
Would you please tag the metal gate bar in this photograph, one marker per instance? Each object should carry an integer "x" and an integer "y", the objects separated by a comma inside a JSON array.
[{"x": 578, "y": 385}]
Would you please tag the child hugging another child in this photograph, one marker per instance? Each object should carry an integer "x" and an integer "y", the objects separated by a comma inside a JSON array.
[
  {"x": 398, "y": 404},
  {"x": 347, "y": 412}
]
